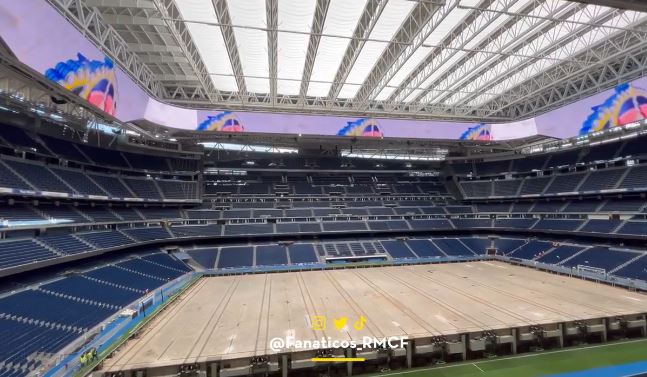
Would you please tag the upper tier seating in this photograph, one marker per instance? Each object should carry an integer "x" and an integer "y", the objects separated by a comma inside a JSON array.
[
  {"x": 636, "y": 178},
  {"x": 600, "y": 226},
  {"x": 21, "y": 139},
  {"x": 143, "y": 188},
  {"x": 66, "y": 244},
  {"x": 506, "y": 187},
  {"x": 534, "y": 185},
  {"x": 616, "y": 178},
  {"x": 104, "y": 157},
  {"x": 478, "y": 189},
  {"x": 493, "y": 167},
  {"x": 19, "y": 212},
  {"x": 518, "y": 223},
  {"x": 564, "y": 183},
  {"x": 63, "y": 148},
  {"x": 528, "y": 164},
  {"x": 602, "y": 180},
  {"x": 106, "y": 239},
  {"x": 633, "y": 227},
  {"x": 558, "y": 224},
  {"x": 147, "y": 233},
  {"x": 9, "y": 179},
  {"x": 38, "y": 176},
  {"x": 112, "y": 185},
  {"x": 19, "y": 252},
  {"x": 79, "y": 181}
]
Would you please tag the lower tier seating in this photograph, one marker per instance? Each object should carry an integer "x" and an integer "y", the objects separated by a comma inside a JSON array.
[{"x": 36, "y": 323}]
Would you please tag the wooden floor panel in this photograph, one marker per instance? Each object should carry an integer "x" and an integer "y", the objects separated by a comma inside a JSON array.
[{"x": 236, "y": 316}]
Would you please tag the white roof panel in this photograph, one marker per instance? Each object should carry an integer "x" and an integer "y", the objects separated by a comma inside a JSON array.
[
  {"x": 292, "y": 48},
  {"x": 209, "y": 41},
  {"x": 485, "y": 73},
  {"x": 329, "y": 54},
  {"x": 370, "y": 54},
  {"x": 251, "y": 43},
  {"x": 416, "y": 58},
  {"x": 342, "y": 17},
  {"x": 391, "y": 18}
]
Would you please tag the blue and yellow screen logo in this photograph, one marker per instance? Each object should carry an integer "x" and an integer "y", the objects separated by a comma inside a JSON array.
[
  {"x": 92, "y": 80},
  {"x": 367, "y": 127},
  {"x": 627, "y": 105},
  {"x": 478, "y": 132},
  {"x": 225, "y": 121}
]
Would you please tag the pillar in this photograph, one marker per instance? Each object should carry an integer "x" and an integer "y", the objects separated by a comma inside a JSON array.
[
  {"x": 409, "y": 347},
  {"x": 561, "y": 335},
  {"x": 605, "y": 321},
  {"x": 213, "y": 370},
  {"x": 349, "y": 364},
  {"x": 284, "y": 365},
  {"x": 514, "y": 341},
  {"x": 464, "y": 340},
  {"x": 644, "y": 328}
]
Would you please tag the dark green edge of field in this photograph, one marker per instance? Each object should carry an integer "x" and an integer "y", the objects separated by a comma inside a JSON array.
[{"x": 538, "y": 363}]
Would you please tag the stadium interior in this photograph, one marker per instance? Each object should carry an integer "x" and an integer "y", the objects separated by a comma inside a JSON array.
[{"x": 146, "y": 245}]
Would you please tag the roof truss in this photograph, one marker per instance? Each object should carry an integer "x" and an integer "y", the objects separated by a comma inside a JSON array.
[{"x": 474, "y": 60}]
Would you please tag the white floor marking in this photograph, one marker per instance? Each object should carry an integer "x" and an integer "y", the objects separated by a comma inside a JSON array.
[{"x": 479, "y": 368}]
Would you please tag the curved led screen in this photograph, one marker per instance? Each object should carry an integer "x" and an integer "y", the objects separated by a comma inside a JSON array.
[{"x": 61, "y": 53}]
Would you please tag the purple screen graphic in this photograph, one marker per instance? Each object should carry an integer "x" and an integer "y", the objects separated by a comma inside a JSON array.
[{"x": 64, "y": 55}]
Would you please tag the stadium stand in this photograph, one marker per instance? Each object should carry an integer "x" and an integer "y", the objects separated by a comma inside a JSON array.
[{"x": 100, "y": 210}]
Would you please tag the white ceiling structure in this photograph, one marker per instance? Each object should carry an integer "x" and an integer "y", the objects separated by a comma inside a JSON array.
[{"x": 476, "y": 60}]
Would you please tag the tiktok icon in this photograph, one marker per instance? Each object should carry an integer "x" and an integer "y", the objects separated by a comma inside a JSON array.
[{"x": 359, "y": 324}]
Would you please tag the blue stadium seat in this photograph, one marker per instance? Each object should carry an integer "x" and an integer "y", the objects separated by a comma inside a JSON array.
[
  {"x": 477, "y": 245},
  {"x": 559, "y": 254},
  {"x": 80, "y": 287},
  {"x": 271, "y": 255},
  {"x": 531, "y": 250},
  {"x": 66, "y": 243},
  {"x": 107, "y": 239},
  {"x": 206, "y": 257},
  {"x": 398, "y": 249},
  {"x": 425, "y": 248},
  {"x": 507, "y": 245},
  {"x": 452, "y": 247},
  {"x": 236, "y": 256},
  {"x": 21, "y": 252},
  {"x": 302, "y": 254},
  {"x": 148, "y": 233},
  {"x": 636, "y": 270},
  {"x": 600, "y": 257}
]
